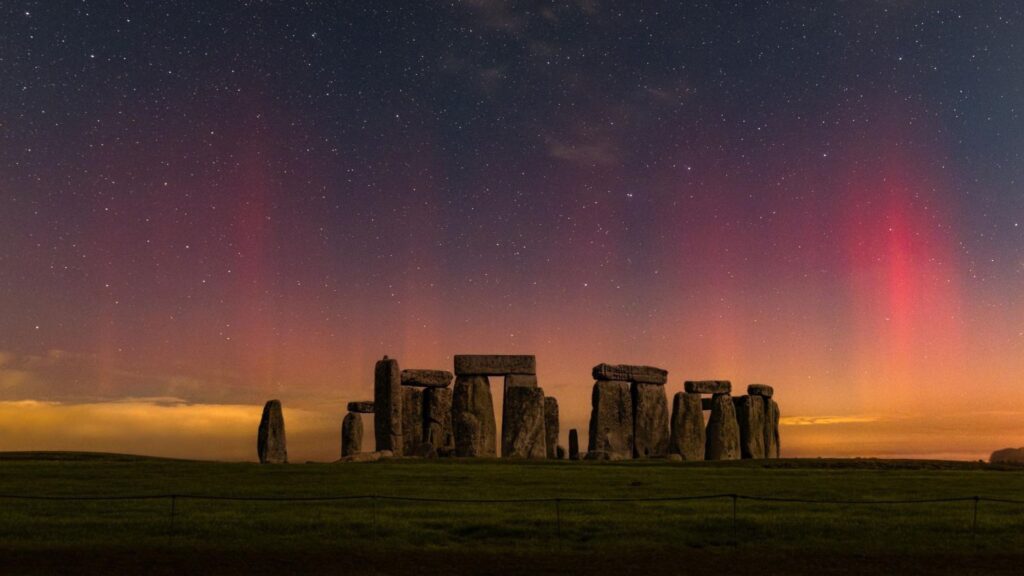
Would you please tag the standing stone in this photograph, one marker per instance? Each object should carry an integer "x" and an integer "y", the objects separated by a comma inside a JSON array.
[
  {"x": 560, "y": 452},
  {"x": 650, "y": 421},
  {"x": 723, "y": 434},
  {"x": 270, "y": 440},
  {"x": 611, "y": 421},
  {"x": 522, "y": 429},
  {"x": 630, "y": 373},
  {"x": 387, "y": 403},
  {"x": 473, "y": 417},
  {"x": 750, "y": 417},
  {"x": 551, "y": 426},
  {"x": 687, "y": 439},
  {"x": 574, "y": 445},
  {"x": 412, "y": 419},
  {"x": 494, "y": 365},
  {"x": 351, "y": 434},
  {"x": 437, "y": 420},
  {"x": 776, "y": 442},
  {"x": 771, "y": 446}
]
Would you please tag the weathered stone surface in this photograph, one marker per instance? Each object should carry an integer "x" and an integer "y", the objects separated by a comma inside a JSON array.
[
  {"x": 574, "y": 445},
  {"x": 387, "y": 402},
  {"x": 1007, "y": 456},
  {"x": 522, "y": 426},
  {"x": 351, "y": 434},
  {"x": 771, "y": 428},
  {"x": 630, "y": 373},
  {"x": 473, "y": 417},
  {"x": 761, "y": 390},
  {"x": 687, "y": 435},
  {"x": 675, "y": 458},
  {"x": 427, "y": 378},
  {"x": 270, "y": 439},
  {"x": 650, "y": 421},
  {"x": 708, "y": 386},
  {"x": 520, "y": 380},
  {"x": 723, "y": 432},
  {"x": 412, "y": 419},
  {"x": 494, "y": 365},
  {"x": 361, "y": 407},
  {"x": 560, "y": 452},
  {"x": 611, "y": 421},
  {"x": 551, "y": 426},
  {"x": 751, "y": 421},
  {"x": 437, "y": 420}
]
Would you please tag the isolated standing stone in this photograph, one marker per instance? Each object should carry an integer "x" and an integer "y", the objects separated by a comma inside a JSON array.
[
  {"x": 473, "y": 417},
  {"x": 687, "y": 437},
  {"x": 270, "y": 439},
  {"x": 551, "y": 426},
  {"x": 574, "y": 445},
  {"x": 771, "y": 428},
  {"x": 361, "y": 407},
  {"x": 437, "y": 420},
  {"x": 522, "y": 428},
  {"x": 708, "y": 386},
  {"x": 630, "y": 373},
  {"x": 412, "y": 419},
  {"x": 387, "y": 403},
  {"x": 494, "y": 365},
  {"x": 650, "y": 421},
  {"x": 426, "y": 378},
  {"x": 611, "y": 421},
  {"x": 750, "y": 417},
  {"x": 723, "y": 433},
  {"x": 351, "y": 434}
]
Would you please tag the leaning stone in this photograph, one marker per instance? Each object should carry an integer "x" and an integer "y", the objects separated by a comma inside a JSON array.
[
  {"x": 494, "y": 365},
  {"x": 1007, "y": 456},
  {"x": 522, "y": 427},
  {"x": 650, "y": 421},
  {"x": 723, "y": 432},
  {"x": 708, "y": 386},
  {"x": 351, "y": 434},
  {"x": 687, "y": 436},
  {"x": 560, "y": 452},
  {"x": 437, "y": 420},
  {"x": 611, "y": 420},
  {"x": 387, "y": 402},
  {"x": 551, "y": 426},
  {"x": 412, "y": 419},
  {"x": 574, "y": 445},
  {"x": 361, "y": 407},
  {"x": 750, "y": 417},
  {"x": 473, "y": 417},
  {"x": 761, "y": 390},
  {"x": 426, "y": 378},
  {"x": 771, "y": 428},
  {"x": 270, "y": 440},
  {"x": 520, "y": 380},
  {"x": 630, "y": 373}
]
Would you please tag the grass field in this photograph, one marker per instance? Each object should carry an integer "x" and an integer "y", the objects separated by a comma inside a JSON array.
[{"x": 413, "y": 537}]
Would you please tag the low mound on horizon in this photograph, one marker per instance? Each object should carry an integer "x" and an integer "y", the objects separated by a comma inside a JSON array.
[{"x": 1008, "y": 456}]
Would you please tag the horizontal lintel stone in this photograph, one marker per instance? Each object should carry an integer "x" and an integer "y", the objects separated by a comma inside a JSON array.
[
  {"x": 629, "y": 373},
  {"x": 427, "y": 378},
  {"x": 494, "y": 365},
  {"x": 708, "y": 386},
  {"x": 361, "y": 407},
  {"x": 761, "y": 390}
]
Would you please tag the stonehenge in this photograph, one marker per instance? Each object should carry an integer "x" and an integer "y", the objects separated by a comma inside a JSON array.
[
  {"x": 574, "y": 445},
  {"x": 611, "y": 421},
  {"x": 270, "y": 440},
  {"x": 750, "y": 418},
  {"x": 522, "y": 426},
  {"x": 723, "y": 431},
  {"x": 473, "y": 417},
  {"x": 351, "y": 434},
  {"x": 437, "y": 420},
  {"x": 387, "y": 403},
  {"x": 412, "y": 419},
  {"x": 551, "y": 426},
  {"x": 650, "y": 420},
  {"x": 687, "y": 434}
]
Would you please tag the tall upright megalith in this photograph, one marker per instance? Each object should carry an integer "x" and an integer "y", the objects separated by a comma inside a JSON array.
[
  {"x": 551, "y": 426},
  {"x": 270, "y": 440},
  {"x": 351, "y": 434},
  {"x": 611, "y": 421},
  {"x": 574, "y": 445},
  {"x": 723, "y": 433},
  {"x": 412, "y": 419},
  {"x": 687, "y": 436},
  {"x": 751, "y": 420},
  {"x": 522, "y": 429},
  {"x": 772, "y": 424},
  {"x": 387, "y": 402},
  {"x": 437, "y": 416},
  {"x": 650, "y": 420},
  {"x": 473, "y": 417}
]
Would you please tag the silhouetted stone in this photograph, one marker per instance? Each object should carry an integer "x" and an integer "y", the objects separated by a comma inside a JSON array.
[
  {"x": 611, "y": 421},
  {"x": 650, "y": 421},
  {"x": 705, "y": 403},
  {"x": 522, "y": 427},
  {"x": 351, "y": 434},
  {"x": 412, "y": 419},
  {"x": 687, "y": 436},
  {"x": 494, "y": 365},
  {"x": 551, "y": 426},
  {"x": 771, "y": 428},
  {"x": 1007, "y": 456},
  {"x": 574, "y": 445},
  {"x": 776, "y": 414},
  {"x": 750, "y": 417},
  {"x": 520, "y": 380},
  {"x": 560, "y": 452},
  {"x": 708, "y": 386},
  {"x": 387, "y": 402},
  {"x": 761, "y": 390},
  {"x": 270, "y": 440},
  {"x": 361, "y": 407},
  {"x": 473, "y": 417},
  {"x": 629, "y": 373},
  {"x": 723, "y": 432},
  {"x": 427, "y": 378},
  {"x": 437, "y": 417}
]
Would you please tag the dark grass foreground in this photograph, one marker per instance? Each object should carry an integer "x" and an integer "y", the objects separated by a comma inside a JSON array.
[{"x": 401, "y": 537}]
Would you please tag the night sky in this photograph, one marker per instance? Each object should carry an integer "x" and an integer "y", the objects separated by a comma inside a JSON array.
[{"x": 204, "y": 205}]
